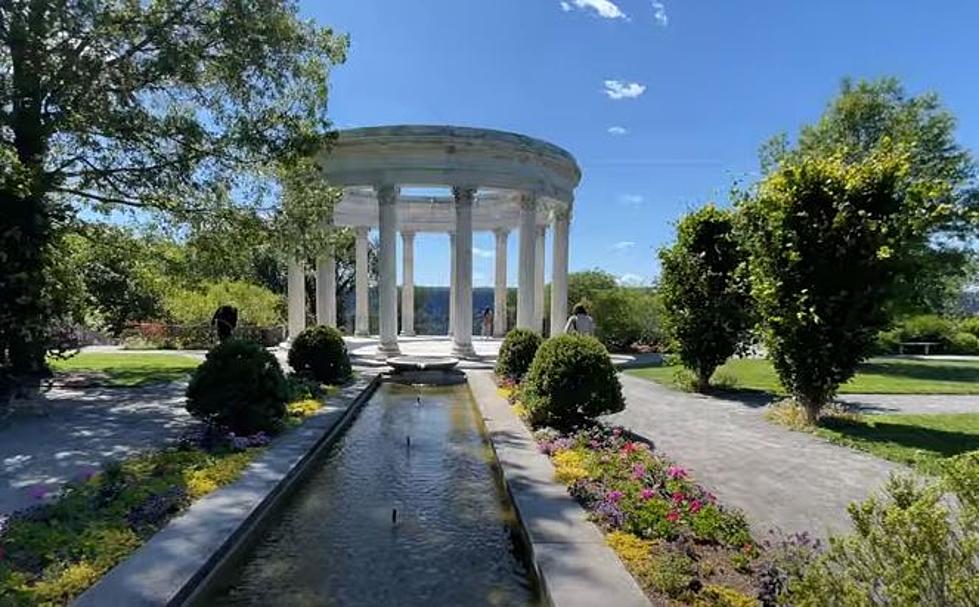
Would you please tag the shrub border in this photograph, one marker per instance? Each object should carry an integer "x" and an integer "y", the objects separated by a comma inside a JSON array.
[
  {"x": 195, "y": 551},
  {"x": 562, "y": 541}
]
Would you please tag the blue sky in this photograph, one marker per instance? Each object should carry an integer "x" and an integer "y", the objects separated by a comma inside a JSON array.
[{"x": 700, "y": 86}]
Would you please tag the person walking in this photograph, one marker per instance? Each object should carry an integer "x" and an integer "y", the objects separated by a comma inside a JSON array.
[{"x": 580, "y": 322}]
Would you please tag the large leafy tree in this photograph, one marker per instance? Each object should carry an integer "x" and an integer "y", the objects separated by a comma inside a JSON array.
[
  {"x": 867, "y": 115},
  {"x": 825, "y": 236},
  {"x": 706, "y": 304},
  {"x": 171, "y": 105}
]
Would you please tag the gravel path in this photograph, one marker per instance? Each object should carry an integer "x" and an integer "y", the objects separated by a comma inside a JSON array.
[
  {"x": 67, "y": 433},
  {"x": 912, "y": 403},
  {"x": 781, "y": 479}
]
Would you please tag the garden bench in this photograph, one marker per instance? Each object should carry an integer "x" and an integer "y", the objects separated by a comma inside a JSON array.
[{"x": 927, "y": 345}]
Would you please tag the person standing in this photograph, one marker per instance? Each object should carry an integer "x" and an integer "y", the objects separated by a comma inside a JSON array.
[
  {"x": 580, "y": 321},
  {"x": 487, "y": 330}
]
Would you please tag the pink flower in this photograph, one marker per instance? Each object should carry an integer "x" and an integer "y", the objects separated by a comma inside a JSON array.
[
  {"x": 614, "y": 496},
  {"x": 629, "y": 447},
  {"x": 695, "y": 506},
  {"x": 647, "y": 494},
  {"x": 616, "y": 431},
  {"x": 638, "y": 471},
  {"x": 676, "y": 472},
  {"x": 678, "y": 496},
  {"x": 673, "y": 516}
]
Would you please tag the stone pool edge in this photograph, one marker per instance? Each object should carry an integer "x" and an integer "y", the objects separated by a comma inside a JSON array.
[
  {"x": 177, "y": 565},
  {"x": 574, "y": 565}
]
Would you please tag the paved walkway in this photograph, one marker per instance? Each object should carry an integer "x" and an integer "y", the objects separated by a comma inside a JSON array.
[
  {"x": 780, "y": 479},
  {"x": 69, "y": 433}
]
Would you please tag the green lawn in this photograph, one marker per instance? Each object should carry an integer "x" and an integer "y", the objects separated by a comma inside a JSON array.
[
  {"x": 922, "y": 441},
  {"x": 878, "y": 376},
  {"x": 130, "y": 369}
]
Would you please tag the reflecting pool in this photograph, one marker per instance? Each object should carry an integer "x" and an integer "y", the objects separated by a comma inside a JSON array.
[{"x": 405, "y": 509}]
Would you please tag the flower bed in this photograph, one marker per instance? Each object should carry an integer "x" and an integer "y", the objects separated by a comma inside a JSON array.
[
  {"x": 672, "y": 535},
  {"x": 52, "y": 552}
]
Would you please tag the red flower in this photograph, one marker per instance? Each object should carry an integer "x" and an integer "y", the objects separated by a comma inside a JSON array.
[{"x": 673, "y": 516}]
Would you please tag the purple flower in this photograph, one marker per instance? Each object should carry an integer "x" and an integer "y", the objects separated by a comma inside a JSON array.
[
  {"x": 638, "y": 471},
  {"x": 610, "y": 514},
  {"x": 86, "y": 474},
  {"x": 647, "y": 494},
  {"x": 614, "y": 496},
  {"x": 37, "y": 492},
  {"x": 676, "y": 472}
]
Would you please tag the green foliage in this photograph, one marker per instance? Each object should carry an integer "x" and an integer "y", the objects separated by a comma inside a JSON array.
[
  {"x": 164, "y": 105},
  {"x": 239, "y": 386},
  {"x": 869, "y": 116},
  {"x": 808, "y": 220},
  {"x": 908, "y": 548},
  {"x": 586, "y": 285},
  {"x": 570, "y": 381},
  {"x": 517, "y": 353},
  {"x": 55, "y": 551},
  {"x": 926, "y": 327},
  {"x": 625, "y": 317},
  {"x": 320, "y": 353},
  {"x": 963, "y": 343},
  {"x": 706, "y": 304},
  {"x": 256, "y": 305},
  {"x": 970, "y": 325}
]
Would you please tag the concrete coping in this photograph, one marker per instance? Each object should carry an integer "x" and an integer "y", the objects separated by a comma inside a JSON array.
[
  {"x": 178, "y": 562},
  {"x": 575, "y": 566}
]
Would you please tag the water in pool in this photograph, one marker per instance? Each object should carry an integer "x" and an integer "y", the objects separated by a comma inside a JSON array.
[{"x": 334, "y": 542}]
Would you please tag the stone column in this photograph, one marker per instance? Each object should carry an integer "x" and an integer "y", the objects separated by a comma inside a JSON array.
[
  {"x": 559, "y": 271},
  {"x": 326, "y": 289},
  {"x": 539, "y": 240},
  {"x": 525, "y": 284},
  {"x": 362, "y": 276},
  {"x": 499, "y": 291},
  {"x": 452, "y": 282},
  {"x": 387, "y": 199},
  {"x": 408, "y": 283},
  {"x": 296, "y": 294},
  {"x": 462, "y": 335}
]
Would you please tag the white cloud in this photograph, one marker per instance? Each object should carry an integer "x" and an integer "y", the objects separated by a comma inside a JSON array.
[
  {"x": 631, "y": 280},
  {"x": 604, "y": 8},
  {"x": 659, "y": 13},
  {"x": 483, "y": 253},
  {"x": 619, "y": 89},
  {"x": 618, "y": 130},
  {"x": 623, "y": 245},
  {"x": 633, "y": 200}
]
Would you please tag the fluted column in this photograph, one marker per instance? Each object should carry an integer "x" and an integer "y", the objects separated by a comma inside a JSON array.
[
  {"x": 539, "y": 241},
  {"x": 499, "y": 290},
  {"x": 326, "y": 289},
  {"x": 452, "y": 282},
  {"x": 525, "y": 285},
  {"x": 559, "y": 271},
  {"x": 296, "y": 294},
  {"x": 408, "y": 283},
  {"x": 362, "y": 275},
  {"x": 462, "y": 335},
  {"x": 387, "y": 198}
]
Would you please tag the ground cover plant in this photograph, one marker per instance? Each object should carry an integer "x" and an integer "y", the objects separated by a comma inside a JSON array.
[
  {"x": 52, "y": 552},
  {"x": 128, "y": 370},
  {"x": 876, "y": 376},
  {"x": 670, "y": 532}
]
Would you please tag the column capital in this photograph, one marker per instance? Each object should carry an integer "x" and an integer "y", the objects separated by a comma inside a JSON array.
[
  {"x": 464, "y": 194},
  {"x": 387, "y": 193},
  {"x": 407, "y": 235},
  {"x": 562, "y": 213},
  {"x": 362, "y": 231},
  {"x": 501, "y": 233},
  {"x": 528, "y": 200}
]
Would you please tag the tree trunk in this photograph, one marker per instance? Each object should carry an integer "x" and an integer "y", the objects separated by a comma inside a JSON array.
[
  {"x": 703, "y": 380},
  {"x": 812, "y": 408}
]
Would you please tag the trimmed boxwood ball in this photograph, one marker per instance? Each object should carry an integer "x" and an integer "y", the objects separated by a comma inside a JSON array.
[
  {"x": 516, "y": 353},
  {"x": 239, "y": 386},
  {"x": 571, "y": 381},
  {"x": 321, "y": 354}
]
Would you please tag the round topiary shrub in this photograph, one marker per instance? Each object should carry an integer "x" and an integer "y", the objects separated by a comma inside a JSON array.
[
  {"x": 239, "y": 386},
  {"x": 571, "y": 381},
  {"x": 321, "y": 354},
  {"x": 516, "y": 353}
]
